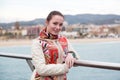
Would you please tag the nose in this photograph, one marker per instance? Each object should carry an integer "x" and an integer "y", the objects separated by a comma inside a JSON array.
[{"x": 58, "y": 27}]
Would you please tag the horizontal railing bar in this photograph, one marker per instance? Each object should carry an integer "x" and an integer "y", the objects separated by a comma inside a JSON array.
[
  {"x": 98, "y": 64},
  {"x": 19, "y": 56},
  {"x": 86, "y": 63}
]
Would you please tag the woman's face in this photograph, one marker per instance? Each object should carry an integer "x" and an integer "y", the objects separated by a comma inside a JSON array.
[{"x": 54, "y": 26}]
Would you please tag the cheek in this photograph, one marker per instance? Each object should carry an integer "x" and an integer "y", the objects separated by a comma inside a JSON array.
[
  {"x": 60, "y": 28},
  {"x": 51, "y": 28}
]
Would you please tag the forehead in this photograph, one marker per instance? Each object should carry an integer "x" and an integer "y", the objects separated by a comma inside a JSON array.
[{"x": 57, "y": 18}]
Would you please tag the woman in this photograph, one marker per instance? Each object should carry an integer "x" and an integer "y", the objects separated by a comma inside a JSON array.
[{"x": 51, "y": 53}]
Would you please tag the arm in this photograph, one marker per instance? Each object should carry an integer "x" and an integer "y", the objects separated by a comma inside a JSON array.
[
  {"x": 39, "y": 62},
  {"x": 72, "y": 56},
  {"x": 72, "y": 51}
]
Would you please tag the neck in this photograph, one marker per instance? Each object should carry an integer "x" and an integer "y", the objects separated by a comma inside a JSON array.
[{"x": 47, "y": 35}]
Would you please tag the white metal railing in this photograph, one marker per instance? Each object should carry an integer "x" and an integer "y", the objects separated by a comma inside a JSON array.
[
  {"x": 86, "y": 63},
  {"x": 28, "y": 58}
]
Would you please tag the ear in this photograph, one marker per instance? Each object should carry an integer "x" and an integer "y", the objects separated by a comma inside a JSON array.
[{"x": 46, "y": 23}]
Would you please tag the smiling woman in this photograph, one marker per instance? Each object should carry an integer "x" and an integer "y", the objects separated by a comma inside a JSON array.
[{"x": 51, "y": 53}]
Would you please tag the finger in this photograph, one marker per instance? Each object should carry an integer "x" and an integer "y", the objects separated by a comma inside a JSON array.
[
  {"x": 67, "y": 62},
  {"x": 71, "y": 63}
]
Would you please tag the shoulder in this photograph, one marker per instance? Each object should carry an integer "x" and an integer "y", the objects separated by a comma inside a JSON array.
[
  {"x": 36, "y": 41},
  {"x": 62, "y": 38}
]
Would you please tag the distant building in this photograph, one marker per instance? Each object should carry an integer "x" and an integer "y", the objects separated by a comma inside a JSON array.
[
  {"x": 33, "y": 31},
  {"x": 70, "y": 34},
  {"x": 1, "y": 31}
]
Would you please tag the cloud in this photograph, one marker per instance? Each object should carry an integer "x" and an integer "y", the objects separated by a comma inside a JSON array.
[{"x": 25, "y": 9}]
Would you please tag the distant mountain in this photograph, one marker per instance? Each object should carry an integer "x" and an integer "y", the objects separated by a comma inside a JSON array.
[
  {"x": 24, "y": 23},
  {"x": 92, "y": 18},
  {"x": 73, "y": 19}
]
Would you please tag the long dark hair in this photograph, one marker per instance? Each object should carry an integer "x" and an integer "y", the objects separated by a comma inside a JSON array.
[{"x": 52, "y": 13}]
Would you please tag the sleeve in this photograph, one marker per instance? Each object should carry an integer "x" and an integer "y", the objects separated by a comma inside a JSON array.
[
  {"x": 71, "y": 50},
  {"x": 39, "y": 62}
]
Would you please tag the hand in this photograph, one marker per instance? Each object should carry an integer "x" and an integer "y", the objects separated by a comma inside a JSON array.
[{"x": 70, "y": 60}]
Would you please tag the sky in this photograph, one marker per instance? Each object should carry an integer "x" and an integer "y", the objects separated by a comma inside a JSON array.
[{"x": 25, "y": 10}]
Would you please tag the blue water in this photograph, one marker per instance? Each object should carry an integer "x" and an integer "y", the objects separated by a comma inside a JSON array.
[{"x": 16, "y": 69}]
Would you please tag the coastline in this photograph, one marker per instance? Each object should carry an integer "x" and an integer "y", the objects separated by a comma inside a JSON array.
[
  {"x": 95, "y": 40},
  {"x": 13, "y": 42}
]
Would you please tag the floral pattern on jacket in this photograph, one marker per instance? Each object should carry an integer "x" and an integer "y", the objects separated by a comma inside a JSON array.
[{"x": 51, "y": 52}]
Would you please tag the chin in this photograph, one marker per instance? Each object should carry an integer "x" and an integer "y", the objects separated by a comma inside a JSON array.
[{"x": 55, "y": 33}]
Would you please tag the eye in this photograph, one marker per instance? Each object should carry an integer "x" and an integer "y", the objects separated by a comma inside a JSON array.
[
  {"x": 55, "y": 23},
  {"x": 61, "y": 24}
]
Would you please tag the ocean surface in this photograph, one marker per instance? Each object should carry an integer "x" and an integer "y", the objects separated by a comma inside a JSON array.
[{"x": 17, "y": 69}]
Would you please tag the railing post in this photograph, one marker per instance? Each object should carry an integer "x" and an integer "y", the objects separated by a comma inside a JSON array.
[{"x": 30, "y": 64}]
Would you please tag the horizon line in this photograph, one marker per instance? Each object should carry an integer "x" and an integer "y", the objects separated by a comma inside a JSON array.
[{"x": 24, "y": 20}]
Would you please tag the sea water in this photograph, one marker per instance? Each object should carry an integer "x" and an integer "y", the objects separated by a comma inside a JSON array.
[{"x": 17, "y": 69}]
